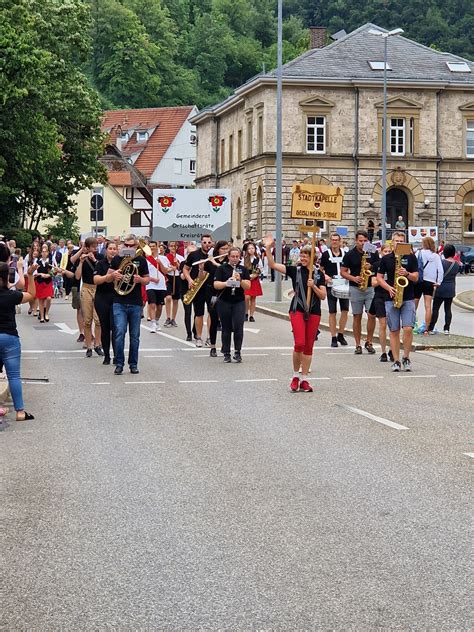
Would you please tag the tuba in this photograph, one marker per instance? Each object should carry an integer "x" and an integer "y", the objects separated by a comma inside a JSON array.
[{"x": 130, "y": 269}]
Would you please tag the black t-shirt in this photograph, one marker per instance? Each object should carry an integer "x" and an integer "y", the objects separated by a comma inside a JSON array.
[
  {"x": 329, "y": 262},
  {"x": 104, "y": 290},
  {"x": 9, "y": 299},
  {"x": 44, "y": 267},
  {"x": 387, "y": 268},
  {"x": 292, "y": 272},
  {"x": 380, "y": 293},
  {"x": 197, "y": 255},
  {"x": 88, "y": 268},
  {"x": 71, "y": 267},
  {"x": 135, "y": 296},
  {"x": 223, "y": 273},
  {"x": 353, "y": 260},
  {"x": 211, "y": 269}
]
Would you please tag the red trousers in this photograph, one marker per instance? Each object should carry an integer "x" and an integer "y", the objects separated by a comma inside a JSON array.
[{"x": 304, "y": 331}]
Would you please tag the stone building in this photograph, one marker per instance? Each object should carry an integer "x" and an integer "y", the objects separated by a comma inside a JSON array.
[{"x": 332, "y": 133}]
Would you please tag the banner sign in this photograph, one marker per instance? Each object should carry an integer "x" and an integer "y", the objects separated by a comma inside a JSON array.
[
  {"x": 416, "y": 233},
  {"x": 316, "y": 201},
  {"x": 187, "y": 214}
]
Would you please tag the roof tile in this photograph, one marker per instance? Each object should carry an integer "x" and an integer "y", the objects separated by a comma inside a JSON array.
[{"x": 166, "y": 123}]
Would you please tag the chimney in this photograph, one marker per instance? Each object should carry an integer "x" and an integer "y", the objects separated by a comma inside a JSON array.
[
  {"x": 317, "y": 36},
  {"x": 118, "y": 138}
]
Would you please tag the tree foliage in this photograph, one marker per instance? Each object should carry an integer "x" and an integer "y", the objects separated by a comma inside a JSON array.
[{"x": 49, "y": 116}]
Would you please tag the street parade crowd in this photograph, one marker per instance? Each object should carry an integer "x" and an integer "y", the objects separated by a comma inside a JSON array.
[{"x": 115, "y": 285}]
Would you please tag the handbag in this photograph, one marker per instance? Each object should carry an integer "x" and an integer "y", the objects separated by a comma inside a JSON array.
[{"x": 340, "y": 287}]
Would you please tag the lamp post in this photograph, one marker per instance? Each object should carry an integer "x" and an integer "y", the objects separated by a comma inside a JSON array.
[
  {"x": 385, "y": 35},
  {"x": 279, "y": 156}
]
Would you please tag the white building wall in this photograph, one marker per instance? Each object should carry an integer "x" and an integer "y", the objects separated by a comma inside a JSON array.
[{"x": 181, "y": 149}]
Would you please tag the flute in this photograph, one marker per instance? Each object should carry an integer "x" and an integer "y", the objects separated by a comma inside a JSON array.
[{"x": 209, "y": 259}]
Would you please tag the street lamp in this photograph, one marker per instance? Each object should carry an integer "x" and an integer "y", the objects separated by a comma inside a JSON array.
[
  {"x": 385, "y": 35},
  {"x": 279, "y": 152}
]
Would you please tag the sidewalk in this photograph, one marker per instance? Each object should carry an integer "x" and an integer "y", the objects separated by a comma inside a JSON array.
[{"x": 266, "y": 304}]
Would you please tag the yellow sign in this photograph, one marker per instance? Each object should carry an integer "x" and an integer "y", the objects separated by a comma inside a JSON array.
[{"x": 316, "y": 201}]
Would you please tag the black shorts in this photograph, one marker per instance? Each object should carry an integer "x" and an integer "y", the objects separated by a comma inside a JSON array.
[
  {"x": 176, "y": 295},
  {"x": 332, "y": 303},
  {"x": 425, "y": 288},
  {"x": 156, "y": 297},
  {"x": 377, "y": 308}
]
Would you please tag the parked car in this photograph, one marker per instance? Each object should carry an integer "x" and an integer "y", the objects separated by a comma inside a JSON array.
[{"x": 469, "y": 259}]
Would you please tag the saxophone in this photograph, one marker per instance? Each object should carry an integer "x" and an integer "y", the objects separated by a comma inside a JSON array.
[
  {"x": 197, "y": 285},
  {"x": 364, "y": 273},
  {"x": 400, "y": 282}
]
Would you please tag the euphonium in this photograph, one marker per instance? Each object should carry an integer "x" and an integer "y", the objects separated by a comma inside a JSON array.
[
  {"x": 400, "y": 282},
  {"x": 364, "y": 273},
  {"x": 129, "y": 269}
]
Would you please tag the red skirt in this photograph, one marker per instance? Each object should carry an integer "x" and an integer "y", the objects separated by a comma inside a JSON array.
[
  {"x": 255, "y": 288},
  {"x": 44, "y": 290}
]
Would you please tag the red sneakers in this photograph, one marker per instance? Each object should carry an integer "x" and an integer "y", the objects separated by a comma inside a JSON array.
[
  {"x": 306, "y": 387},
  {"x": 294, "y": 385}
]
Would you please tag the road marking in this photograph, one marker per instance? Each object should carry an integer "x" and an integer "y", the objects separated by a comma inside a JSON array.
[
  {"x": 338, "y": 353},
  {"x": 151, "y": 382},
  {"x": 65, "y": 329},
  {"x": 29, "y": 358},
  {"x": 260, "y": 379},
  {"x": 248, "y": 348},
  {"x": 100, "y": 383},
  {"x": 252, "y": 331},
  {"x": 27, "y": 381},
  {"x": 317, "y": 378},
  {"x": 159, "y": 356},
  {"x": 462, "y": 375},
  {"x": 413, "y": 376},
  {"x": 471, "y": 454},
  {"x": 380, "y": 420},
  {"x": 364, "y": 377},
  {"x": 162, "y": 333},
  {"x": 198, "y": 381}
]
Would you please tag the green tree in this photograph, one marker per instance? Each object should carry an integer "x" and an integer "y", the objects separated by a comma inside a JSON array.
[{"x": 49, "y": 116}]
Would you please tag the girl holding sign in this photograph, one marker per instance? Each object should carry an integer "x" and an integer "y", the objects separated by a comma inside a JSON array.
[{"x": 304, "y": 314}]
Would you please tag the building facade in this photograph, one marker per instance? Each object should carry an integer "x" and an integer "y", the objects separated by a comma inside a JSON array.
[{"x": 332, "y": 134}]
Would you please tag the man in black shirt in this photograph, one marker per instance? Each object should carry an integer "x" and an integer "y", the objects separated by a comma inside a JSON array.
[
  {"x": 127, "y": 309},
  {"x": 404, "y": 316},
  {"x": 85, "y": 271},
  {"x": 330, "y": 262},
  {"x": 191, "y": 273},
  {"x": 351, "y": 270}
]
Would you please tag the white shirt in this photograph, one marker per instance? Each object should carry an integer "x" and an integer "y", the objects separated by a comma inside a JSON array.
[
  {"x": 179, "y": 259},
  {"x": 433, "y": 270},
  {"x": 154, "y": 271}
]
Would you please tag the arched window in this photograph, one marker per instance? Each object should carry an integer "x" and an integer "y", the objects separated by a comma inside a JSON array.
[
  {"x": 248, "y": 212},
  {"x": 238, "y": 229},
  {"x": 468, "y": 213}
]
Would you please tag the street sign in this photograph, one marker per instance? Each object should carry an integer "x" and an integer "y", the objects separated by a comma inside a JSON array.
[{"x": 316, "y": 201}]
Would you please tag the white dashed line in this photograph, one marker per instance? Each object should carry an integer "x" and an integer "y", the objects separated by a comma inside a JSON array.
[
  {"x": 364, "y": 377},
  {"x": 470, "y": 454},
  {"x": 159, "y": 356},
  {"x": 380, "y": 420},
  {"x": 317, "y": 378},
  {"x": 144, "y": 382},
  {"x": 462, "y": 375},
  {"x": 198, "y": 381},
  {"x": 413, "y": 376},
  {"x": 100, "y": 383},
  {"x": 260, "y": 379}
]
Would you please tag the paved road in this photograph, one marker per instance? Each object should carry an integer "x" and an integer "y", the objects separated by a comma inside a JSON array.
[{"x": 204, "y": 496}]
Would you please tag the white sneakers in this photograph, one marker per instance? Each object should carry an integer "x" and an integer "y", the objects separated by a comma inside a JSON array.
[{"x": 154, "y": 326}]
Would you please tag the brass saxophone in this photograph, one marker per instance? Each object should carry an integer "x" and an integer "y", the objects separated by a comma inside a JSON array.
[
  {"x": 400, "y": 282},
  {"x": 197, "y": 285},
  {"x": 364, "y": 273}
]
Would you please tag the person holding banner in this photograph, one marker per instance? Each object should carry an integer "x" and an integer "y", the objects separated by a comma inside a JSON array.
[{"x": 305, "y": 314}]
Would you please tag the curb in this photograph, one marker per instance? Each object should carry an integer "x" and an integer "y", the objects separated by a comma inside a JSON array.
[
  {"x": 457, "y": 301},
  {"x": 4, "y": 392},
  {"x": 325, "y": 326}
]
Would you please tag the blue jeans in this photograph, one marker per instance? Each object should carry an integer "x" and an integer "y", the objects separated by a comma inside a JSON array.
[
  {"x": 10, "y": 356},
  {"x": 123, "y": 315}
]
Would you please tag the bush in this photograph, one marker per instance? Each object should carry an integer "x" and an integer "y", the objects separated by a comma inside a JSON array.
[{"x": 22, "y": 236}]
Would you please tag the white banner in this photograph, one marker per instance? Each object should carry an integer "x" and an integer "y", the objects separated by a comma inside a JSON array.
[
  {"x": 416, "y": 233},
  {"x": 187, "y": 214}
]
